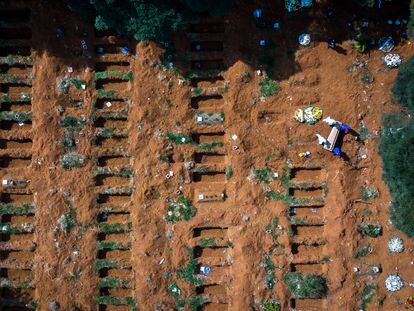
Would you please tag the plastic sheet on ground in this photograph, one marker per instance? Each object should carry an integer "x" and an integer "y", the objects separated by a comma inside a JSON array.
[{"x": 310, "y": 114}]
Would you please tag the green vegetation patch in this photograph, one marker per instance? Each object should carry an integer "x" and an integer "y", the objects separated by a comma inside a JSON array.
[
  {"x": 270, "y": 278},
  {"x": 113, "y": 282},
  {"x": 269, "y": 87},
  {"x": 112, "y": 245},
  {"x": 271, "y": 305},
  {"x": 69, "y": 121},
  {"x": 188, "y": 273},
  {"x": 369, "y": 230},
  {"x": 368, "y": 193},
  {"x": 264, "y": 175},
  {"x": 73, "y": 160},
  {"x": 11, "y": 209},
  {"x": 306, "y": 285},
  {"x": 181, "y": 209},
  {"x": 124, "y": 75},
  {"x": 367, "y": 293},
  {"x": 364, "y": 251},
  {"x": 15, "y": 116}
]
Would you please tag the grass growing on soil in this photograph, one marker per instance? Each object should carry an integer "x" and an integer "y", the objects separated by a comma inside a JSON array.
[
  {"x": 113, "y": 282},
  {"x": 364, "y": 251},
  {"x": 115, "y": 228},
  {"x": 112, "y": 245},
  {"x": 188, "y": 273},
  {"x": 366, "y": 76},
  {"x": 369, "y": 230},
  {"x": 179, "y": 139},
  {"x": 173, "y": 289},
  {"x": 270, "y": 278},
  {"x": 104, "y": 264},
  {"x": 181, "y": 209},
  {"x": 15, "y": 116},
  {"x": 196, "y": 92},
  {"x": 271, "y": 305},
  {"x": 69, "y": 121},
  {"x": 269, "y": 87},
  {"x": 11, "y": 209},
  {"x": 73, "y": 160},
  {"x": 107, "y": 94},
  {"x": 195, "y": 302},
  {"x": 7, "y": 228},
  {"x": 306, "y": 285},
  {"x": 207, "y": 242},
  {"x": 210, "y": 146},
  {"x": 264, "y": 175},
  {"x": 68, "y": 221},
  {"x": 229, "y": 172},
  {"x": 367, "y": 293},
  {"x": 124, "y": 75},
  {"x": 368, "y": 193}
]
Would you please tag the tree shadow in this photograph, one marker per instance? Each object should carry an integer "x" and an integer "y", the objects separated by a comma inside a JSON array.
[{"x": 271, "y": 41}]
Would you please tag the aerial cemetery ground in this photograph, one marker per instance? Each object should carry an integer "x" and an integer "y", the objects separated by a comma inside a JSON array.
[{"x": 140, "y": 177}]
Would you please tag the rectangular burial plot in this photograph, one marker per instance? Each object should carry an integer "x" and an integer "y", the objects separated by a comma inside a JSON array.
[
  {"x": 16, "y": 70},
  {"x": 313, "y": 192},
  {"x": 307, "y": 211},
  {"x": 210, "y": 232},
  {"x": 210, "y": 46},
  {"x": 308, "y": 230},
  {"x": 215, "y": 196},
  {"x": 103, "y": 49},
  {"x": 112, "y": 142},
  {"x": 112, "y": 66},
  {"x": 111, "y": 104},
  {"x": 104, "y": 33},
  {"x": 17, "y": 106},
  {"x": 24, "y": 144},
  {"x": 210, "y": 252},
  {"x": 113, "y": 161},
  {"x": 267, "y": 116},
  {"x": 104, "y": 122},
  {"x": 312, "y": 252},
  {"x": 207, "y": 82},
  {"x": 16, "y": 198},
  {"x": 209, "y": 158},
  {"x": 212, "y": 289},
  {"x": 207, "y": 103},
  {"x": 209, "y": 177},
  {"x": 11, "y": 16},
  {"x": 15, "y": 33},
  {"x": 207, "y": 28},
  {"x": 312, "y": 174},
  {"x": 214, "y": 306},
  {"x": 117, "y": 85},
  {"x": 211, "y": 64},
  {"x": 307, "y": 268},
  {"x": 113, "y": 201},
  {"x": 308, "y": 304},
  {"x": 15, "y": 162},
  {"x": 208, "y": 137},
  {"x": 16, "y": 91},
  {"x": 16, "y": 276},
  {"x": 15, "y": 50},
  {"x": 8, "y": 125}
]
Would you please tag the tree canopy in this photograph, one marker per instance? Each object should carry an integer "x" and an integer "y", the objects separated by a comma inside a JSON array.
[
  {"x": 148, "y": 19},
  {"x": 397, "y": 151}
]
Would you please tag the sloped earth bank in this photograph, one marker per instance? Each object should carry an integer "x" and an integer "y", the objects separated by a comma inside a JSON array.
[{"x": 102, "y": 213}]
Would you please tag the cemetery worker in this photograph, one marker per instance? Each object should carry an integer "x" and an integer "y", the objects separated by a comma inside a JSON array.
[
  {"x": 330, "y": 121},
  {"x": 337, "y": 152},
  {"x": 345, "y": 128}
]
